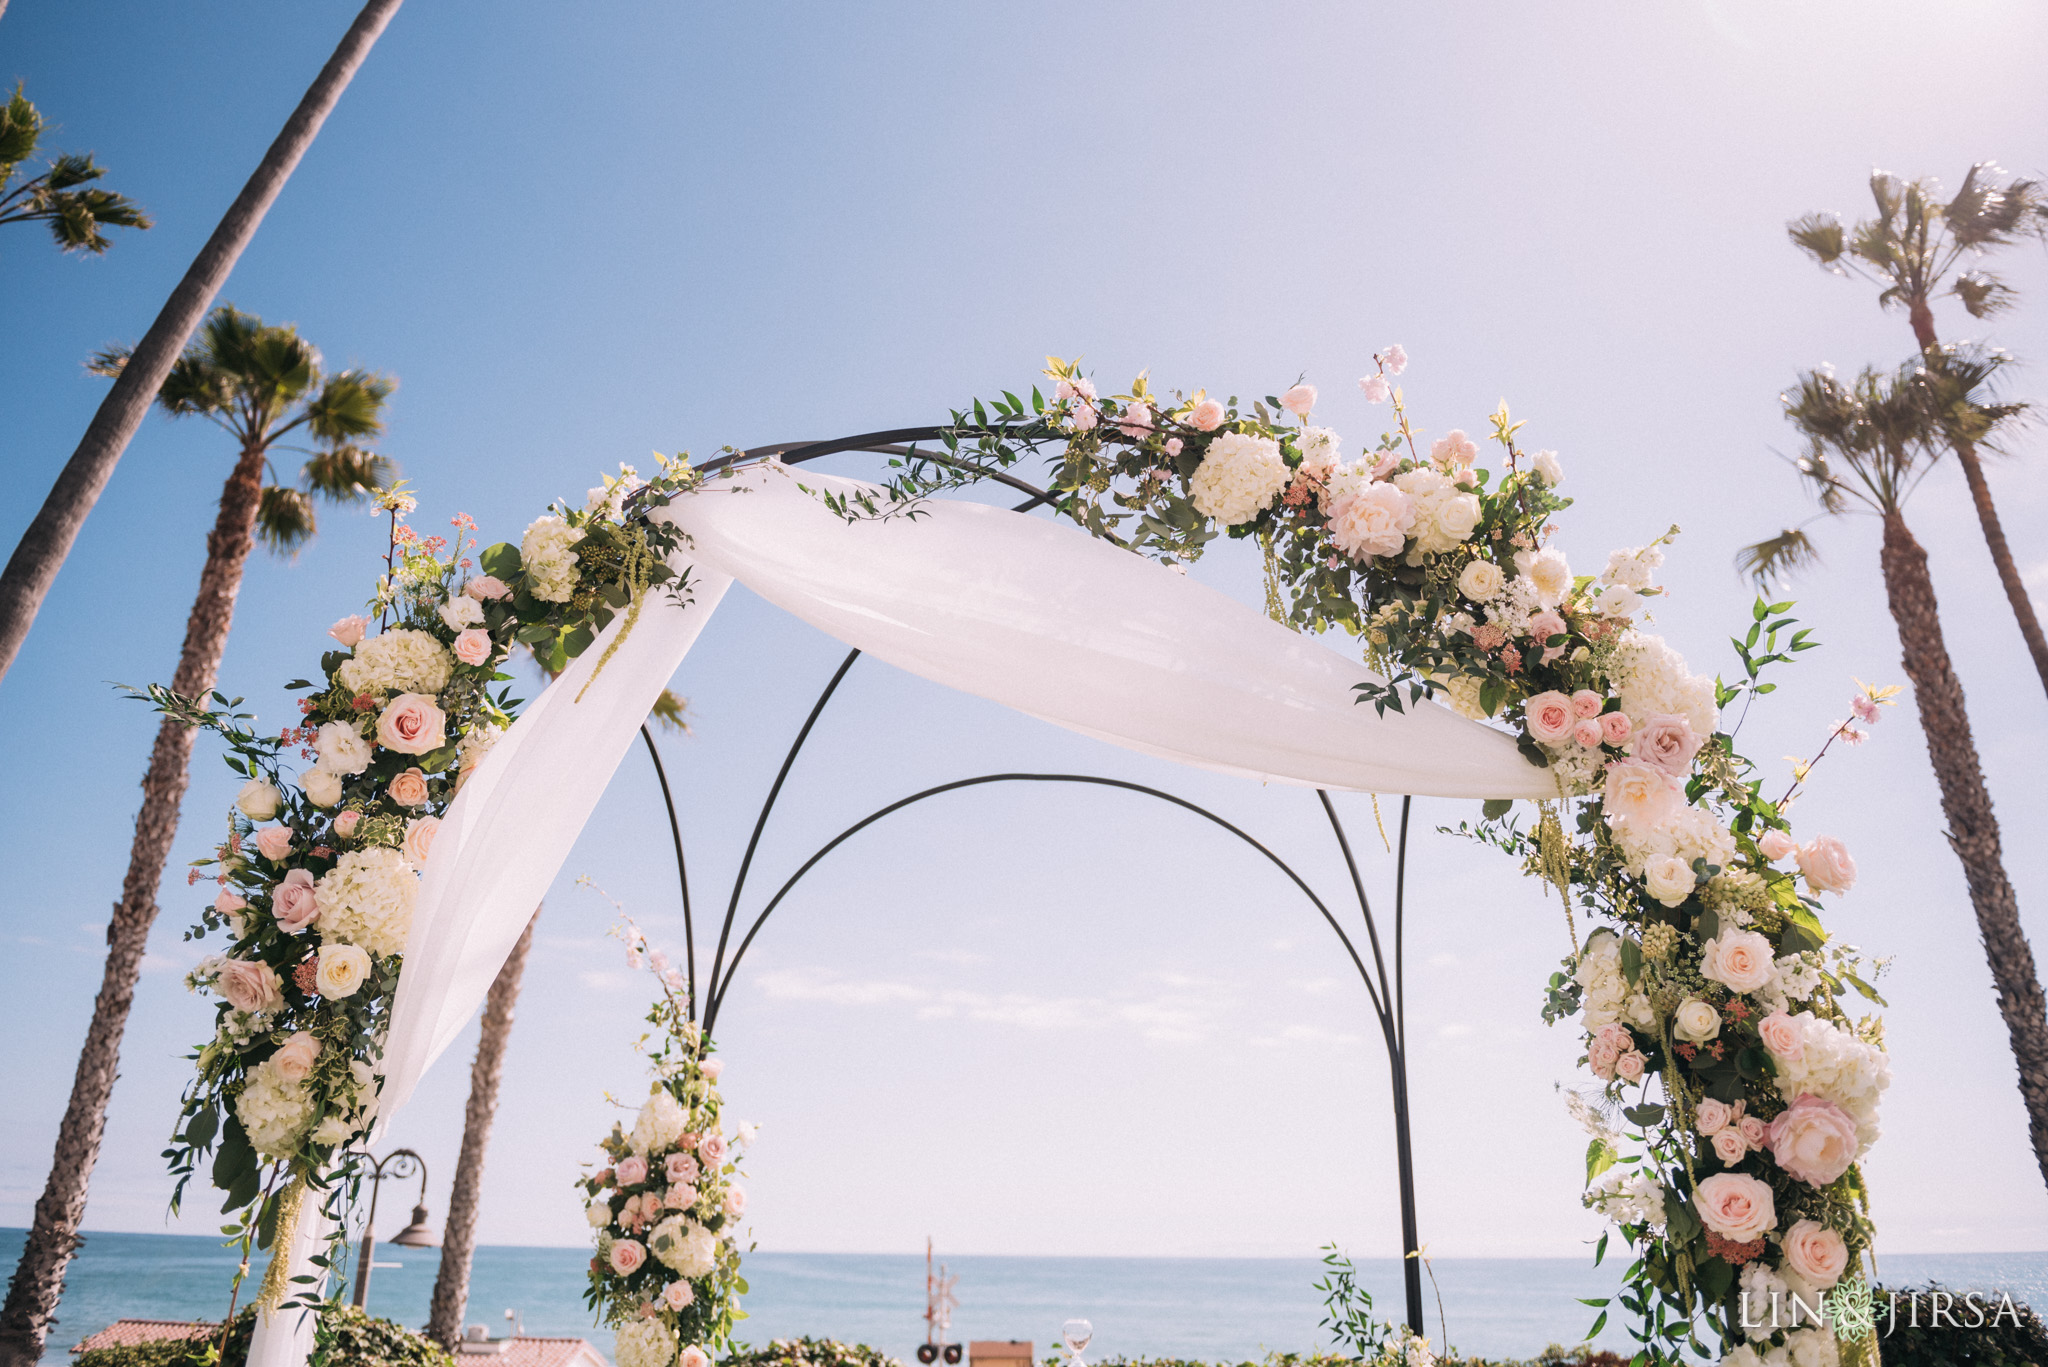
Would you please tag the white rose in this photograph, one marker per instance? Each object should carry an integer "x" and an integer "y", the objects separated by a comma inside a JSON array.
[
  {"x": 343, "y": 969},
  {"x": 1696, "y": 1021},
  {"x": 598, "y": 1214},
  {"x": 1482, "y": 581},
  {"x": 1548, "y": 573},
  {"x": 342, "y": 748},
  {"x": 322, "y": 787},
  {"x": 259, "y": 800},
  {"x": 1458, "y": 515},
  {"x": 1671, "y": 879},
  {"x": 1547, "y": 468},
  {"x": 462, "y": 611}
]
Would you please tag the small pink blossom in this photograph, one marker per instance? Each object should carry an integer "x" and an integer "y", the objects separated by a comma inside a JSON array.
[
  {"x": 712, "y": 1068},
  {"x": 1136, "y": 421},
  {"x": 1865, "y": 709},
  {"x": 1173, "y": 445},
  {"x": 1454, "y": 448},
  {"x": 1207, "y": 416},
  {"x": 1394, "y": 358},
  {"x": 689, "y": 1140},
  {"x": 349, "y": 630},
  {"x": 1388, "y": 462},
  {"x": 1850, "y": 734},
  {"x": 1300, "y": 400},
  {"x": 1376, "y": 388},
  {"x": 693, "y": 1356}
]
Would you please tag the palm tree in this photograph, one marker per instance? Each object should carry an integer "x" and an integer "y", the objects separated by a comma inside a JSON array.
[
  {"x": 57, "y": 197},
  {"x": 261, "y": 384},
  {"x": 1869, "y": 443},
  {"x": 1913, "y": 248},
  {"x": 40, "y": 554}
]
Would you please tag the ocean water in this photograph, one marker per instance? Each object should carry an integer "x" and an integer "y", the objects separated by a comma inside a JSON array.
[{"x": 1219, "y": 1309}]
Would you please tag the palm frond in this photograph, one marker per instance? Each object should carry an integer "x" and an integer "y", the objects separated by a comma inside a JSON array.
[
  {"x": 671, "y": 712},
  {"x": 21, "y": 128},
  {"x": 1822, "y": 237},
  {"x": 196, "y": 385},
  {"x": 348, "y": 474},
  {"x": 1779, "y": 557},
  {"x": 109, "y": 362},
  {"x": 1986, "y": 214},
  {"x": 350, "y": 405},
  {"x": 1983, "y": 293},
  {"x": 285, "y": 520}
]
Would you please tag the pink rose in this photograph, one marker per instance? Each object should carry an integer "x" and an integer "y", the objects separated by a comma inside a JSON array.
[
  {"x": 274, "y": 842},
  {"x": 1640, "y": 794},
  {"x": 1775, "y": 845},
  {"x": 412, "y": 725},
  {"x": 713, "y": 1149},
  {"x": 473, "y": 647},
  {"x": 485, "y": 587},
  {"x": 1601, "y": 1056},
  {"x": 1544, "y": 625},
  {"x": 349, "y": 630},
  {"x": 1816, "y": 1253},
  {"x": 294, "y": 903},
  {"x": 1549, "y": 717},
  {"x": 1299, "y": 400},
  {"x": 627, "y": 1255},
  {"x": 1586, "y": 731},
  {"x": 409, "y": 789},
  {"x": 1454, "y": 448},
  {"x": 1736, "y": 1206},
  {"x": 1752, "y": 1131},
  {"x": 1629, "y": 1067},
  {"x": 1667, "y": 741},
  {"x": 1616, "y": 727},
  {"x": 1712, "y": 1117},
  {"x": 1814, "y": 1140},
  {"x": 419, "y": 839},
  {"x": 250, "y": 986},
  {"x": 681, "y": 1168},
  {"x": 345, "y": 824},
  {"x": 1587, "y": 703},
  {"x": 227, "y": 902},
  {"x": 1741, "y": 960},
  {"x": 603, "y": 1178},
  {"x": 1826, "y": 863},
  {"x": 689, "y": 1140},
  {"x": 1372, "y": 521},
  {"x": 677, "y": 1295},
  {"x": 1384, "y": 467},
  {"x": 693, "y": 1356},
  {"x": 294, "y": 1058},
  {"x": 736, "y": 1198},
  {"x": 1729, "y": 1147},
  {"x": 1173, "y": 445},
  {"x": 1207, "y": 416},
  {"x": 631, "y": 1170},
  {"x": 1781, "y": 1035},
  {"x": 712, "y": 1068},
  {"x": 682, "y": 1197}
]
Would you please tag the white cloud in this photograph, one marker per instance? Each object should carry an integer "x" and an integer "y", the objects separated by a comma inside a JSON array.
[
  {"x": 1307, "y": 1034},
  {"x": 964, "y": 957},
  {"x": 1170, "y": 1017}
]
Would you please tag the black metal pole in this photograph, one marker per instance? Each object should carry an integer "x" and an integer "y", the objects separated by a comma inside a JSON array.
[
  {"x": 675, "y": 830},
  {"x": 362, "y": 1295}
]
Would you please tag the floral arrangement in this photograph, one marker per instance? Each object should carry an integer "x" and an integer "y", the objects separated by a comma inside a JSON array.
[
  {"x": 316, "y": 879},
  {"x": 1709, "y": 975},
  {"x": 666, "y": 1274}
]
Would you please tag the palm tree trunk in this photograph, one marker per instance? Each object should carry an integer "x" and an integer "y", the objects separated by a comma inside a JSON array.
[
  {"x": 1973, "y": 829},
  {"x": 458, "y": 1235},
  {"x": 33, "y": 566},
  {"x": 1922, "y": 319},
  {"x": 39, "y": 1278}
]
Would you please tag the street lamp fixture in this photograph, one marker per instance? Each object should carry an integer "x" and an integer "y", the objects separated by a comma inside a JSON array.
[{"x": 401, "y": 1163}]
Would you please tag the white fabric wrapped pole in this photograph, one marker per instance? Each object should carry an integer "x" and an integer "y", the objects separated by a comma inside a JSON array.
[
  {"x": 1036, "y": 614},
  {"x": 284, "y": 1338}
]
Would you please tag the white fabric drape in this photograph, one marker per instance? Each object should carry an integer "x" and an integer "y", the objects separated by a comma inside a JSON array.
[
  {"x": 1029, "y": 612},
  {"x": 284, "y": 1338}
]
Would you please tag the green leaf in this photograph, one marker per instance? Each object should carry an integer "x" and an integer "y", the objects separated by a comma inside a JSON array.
[
  {"x": 436, "y": 761},
  {"x": 1802, "y": 932},
  {"x": 1865, "y": 988},
  {"x": 1645, "y": 1115},
  {"x": 501, "y": 560},
  {"x": 1631, "y": 961},
  {"x": 1600, "y": 1157},
  {"x": 1494, "y": 808},
  {"x": 1707, "y": 925},
  {"x": 199, "y": 1130}
]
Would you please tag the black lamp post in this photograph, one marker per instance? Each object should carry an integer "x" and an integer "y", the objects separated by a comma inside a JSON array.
[{"x": 418, "y": 1234}]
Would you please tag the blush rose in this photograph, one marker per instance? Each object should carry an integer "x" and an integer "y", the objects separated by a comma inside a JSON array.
[
  {"x": 411, "y": 724},
  {"x": 1550, "y": 717},
  {"x": 294, "y": 903},
  {"x": 1814, "y": 1140},
  {"x": 1737, "y": 1206},
  {"x": 1816, "y": 1253},
  {"x": 250, "y": 986},
  {"x": 409, "y": 789},
  {"x": 1826, "y": 864}
]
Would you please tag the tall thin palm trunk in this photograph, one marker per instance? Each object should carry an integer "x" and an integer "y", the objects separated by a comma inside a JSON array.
[
  {"x": 33, "y": 566},
  {"x": 458, "y": 1236},
  {"x": 53, "y": 1236},
  {"x": 1922, "y": 319},
  {"x": 1973, "y": 829}
]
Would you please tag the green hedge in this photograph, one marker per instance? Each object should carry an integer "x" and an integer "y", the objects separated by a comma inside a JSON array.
[
  {"x": 346, "y": 1337},
  {"x": 2003, "y": 1344},
  {"x": 808, "y": 1352}
]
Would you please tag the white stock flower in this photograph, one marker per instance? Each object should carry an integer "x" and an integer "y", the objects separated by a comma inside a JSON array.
[
  {"x": 1608, "y": 997},
  {"x": 1628, "y": 1196},
  {"x": 1618, "y": 602},
  {"x": 342, "y": 748},
  {"x": 476, "y": 744},
  {"x": 1799, "y": 975},
  {"x": 1239, "y": 476},
  {"x": 547, "y": 553},
  {"x": 398, "y": 661},
  {"x": 1634, "y": 568},
  {"x": 366, "y": 899},
  {"x": 1651, "y": 679},
  {"x": 1320, "y": 452}
]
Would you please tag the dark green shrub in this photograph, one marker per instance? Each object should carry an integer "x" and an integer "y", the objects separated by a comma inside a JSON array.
[
  {"x": 178, "y": 1352},
  {"x": 807, "y": 1352},
  {"x": 1997, "y": 1338},
  {"x": 348, "y": 1337}
]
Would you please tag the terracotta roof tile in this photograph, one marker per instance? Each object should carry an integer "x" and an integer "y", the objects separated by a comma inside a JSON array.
[{"x": 128, "y": 1333}]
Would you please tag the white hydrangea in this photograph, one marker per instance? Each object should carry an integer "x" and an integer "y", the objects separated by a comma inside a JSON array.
[
  {"x": 1444, "y": 513},
  {"x": 684, "y": 1245},
  {"x": 1628, "y": 1196},
  {"x": 644, "y": 1343},
  {"x": 1692, "y": 833},
  {"x": 1799, "y": 975},
  {"x": 1239, "y": 476},
  {"x": 1837, "y": 1066},
  {"x": 1651, "y": 679},
  {"x": 1580, "y": 771},
  {"x": 1633, "y": 569},
  {"x": 366, "y": 899},
  {"x": 276, "y": 1113},
  {"x": 1461, "y": 691},
  {"x": 660, "y": 1124},
  {"x": 546, "y": 552},
  {"x": 398, "y": 661},
  {"x": 1607, "y": 997}
]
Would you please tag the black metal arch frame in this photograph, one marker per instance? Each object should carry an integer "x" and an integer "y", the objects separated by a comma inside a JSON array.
[{"x": 1385, "y": 990}]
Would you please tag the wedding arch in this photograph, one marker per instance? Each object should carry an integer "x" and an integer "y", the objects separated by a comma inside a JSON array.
[{"x": 370, "y": 920}]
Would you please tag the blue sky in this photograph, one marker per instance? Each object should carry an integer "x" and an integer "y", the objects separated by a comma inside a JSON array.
[{"x": 1025, "y": 1021}]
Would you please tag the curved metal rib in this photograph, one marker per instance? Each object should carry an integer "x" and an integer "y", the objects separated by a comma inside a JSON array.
[
  {"x": 719, "y": 986},
  {"x": 675, "y": 830}
]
